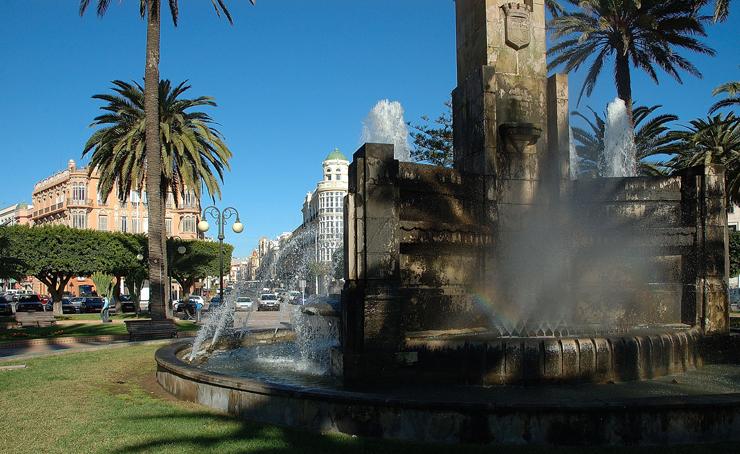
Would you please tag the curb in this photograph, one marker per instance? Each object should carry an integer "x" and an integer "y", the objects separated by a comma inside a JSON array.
[{"x": 75, "y": 340}]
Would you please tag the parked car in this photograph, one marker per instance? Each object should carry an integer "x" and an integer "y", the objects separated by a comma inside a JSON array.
[
  {"x": 127, "y": 305},
  {"x": 6, "y": 306},
  {"x": 76, "y": 302},
  {"x": 295, "y": 297},
  {"x": 68, "y": 307},
  {"x": 268, "y": 302},
  {"x": 243, "y": 303},
  {"x": 215, "y": 302},
  {"x": 29, "y": 303},
  {"x": 91, "y": 304},
  {"x": 196, "y": 299}
]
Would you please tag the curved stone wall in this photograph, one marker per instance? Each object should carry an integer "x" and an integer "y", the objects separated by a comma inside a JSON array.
[
  {"x": 656, "y": 412},
  {"x": 545, "y": 359}
]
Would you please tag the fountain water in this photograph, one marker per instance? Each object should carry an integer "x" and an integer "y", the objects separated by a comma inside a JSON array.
[
  {"x": 385, "y": 124},
  {"x": 618, "y": 159},
  {"x": 573, "y": 156}
]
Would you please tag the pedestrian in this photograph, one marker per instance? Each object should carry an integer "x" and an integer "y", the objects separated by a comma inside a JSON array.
[
  {"x": 198, "y": 307},
  {"x": 104, "y": 314}
]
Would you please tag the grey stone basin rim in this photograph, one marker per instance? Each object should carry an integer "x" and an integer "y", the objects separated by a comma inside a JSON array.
[{"x": 168, "y": 360}]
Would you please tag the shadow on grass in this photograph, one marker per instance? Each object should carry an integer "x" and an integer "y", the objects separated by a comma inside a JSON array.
[{"x": 258, "y": 438}]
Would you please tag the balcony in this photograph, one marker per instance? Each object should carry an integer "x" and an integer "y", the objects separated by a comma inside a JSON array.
[
  {"x": 79, "y": 203},
  {"x": 51, "y": 209}
]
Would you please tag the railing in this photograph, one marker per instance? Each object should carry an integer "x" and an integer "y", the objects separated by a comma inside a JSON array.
[{"x": 79, "y": 203}]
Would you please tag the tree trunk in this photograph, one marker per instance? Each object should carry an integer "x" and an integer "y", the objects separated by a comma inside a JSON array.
[
  {"x": 154, "y": 163},
  {"x": 624, "y": 82},
  {"x": 117, "y": 295},
  {"x": 55, "y": 286},
  {"x": 167, "y": 251}
]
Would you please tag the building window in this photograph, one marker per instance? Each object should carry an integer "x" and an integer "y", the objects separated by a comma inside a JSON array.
[
  {"x": 189, "y": 199},
  {"x": 103, "y": 222},
  {"x": 168, "y": 226},
  {"x": 79, "y": 220},
  {"x": 135, "y": 198},
  {"x": 79, "y": 192},
  {"x": 135, "y": 225},
  {"x": 187, "y": 224},
  {"x": 124, "y": 224},
  {"x": 732, "y": 227}
]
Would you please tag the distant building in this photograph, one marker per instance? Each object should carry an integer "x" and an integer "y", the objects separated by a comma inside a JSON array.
[
  {"x": 71, "y": 198},
  {"x": 17, "y": 214},
  {"x": 323, "y": 212}
]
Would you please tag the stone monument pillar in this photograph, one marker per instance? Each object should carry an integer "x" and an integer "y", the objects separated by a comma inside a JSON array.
[{"x": 510, "y": 121}]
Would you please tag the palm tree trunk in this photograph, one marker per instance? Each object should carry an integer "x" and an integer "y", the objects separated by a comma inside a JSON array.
[
  {"x": 154, "y": 162},
  {"x": 624, "y": 82},
  {"x": 166, "y": 262}
]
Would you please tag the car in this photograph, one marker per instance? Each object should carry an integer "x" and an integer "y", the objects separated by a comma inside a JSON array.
[
  {"x": 268, "y": 302},
  {"x": 196, "y": 299},
  {"x": 67, "y": 306},
  {"x": 76, "y": 302},
  {"x": 47, "y": 302},
  {"x": 127, "y": 305},
  {"x": 6, "y": 306},
  {"x": 29, "y": 303},
  {"x": 91, "y": 304},
  {"x": 295, "y": 297},
  {"x": 243, "y": 303},
  {"x": 215, "y": 302}
]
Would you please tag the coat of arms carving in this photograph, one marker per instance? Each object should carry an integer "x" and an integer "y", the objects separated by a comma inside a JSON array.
[{"x": 517, "y": 25}]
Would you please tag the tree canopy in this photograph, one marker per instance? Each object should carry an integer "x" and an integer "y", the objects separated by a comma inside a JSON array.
[
  {"x": 432, "y": 141},
  {"x": 199, "y": 260}
]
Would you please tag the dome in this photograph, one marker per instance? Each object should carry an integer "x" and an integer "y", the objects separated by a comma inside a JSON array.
[{"x": 336, "y": 155}]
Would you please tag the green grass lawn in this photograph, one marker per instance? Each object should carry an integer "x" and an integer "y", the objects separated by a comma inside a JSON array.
[
  {"x": 76, "y": 330},
  {"x": 107, "y": 401}
]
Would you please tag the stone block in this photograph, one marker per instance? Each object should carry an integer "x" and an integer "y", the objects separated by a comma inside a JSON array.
[
  {"x": 570, "y": 359},
  {"x": 532, "y": 360},
  {"x": 586, "y": 358},
  {"x": 514, "y": 351},
  {"x": 553, "y": 359}
]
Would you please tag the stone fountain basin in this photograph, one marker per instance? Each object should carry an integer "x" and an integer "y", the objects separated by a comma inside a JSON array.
[{"x": 699, "y": 406}]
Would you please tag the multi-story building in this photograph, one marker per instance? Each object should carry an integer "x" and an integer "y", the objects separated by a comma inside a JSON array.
[
  {"x": 323, "y": 209},
  {"x": 19, "y": 213},
  {"x": 323, "y": 212},
  {"x": 71, "y": 198}
]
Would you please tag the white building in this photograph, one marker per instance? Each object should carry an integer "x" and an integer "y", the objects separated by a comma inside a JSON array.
[{"x": 19, "y": 213}]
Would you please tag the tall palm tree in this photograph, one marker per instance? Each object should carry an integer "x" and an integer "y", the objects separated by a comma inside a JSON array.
[
  {"x": 150, "y": 10},
  {"x": 652, "y": 137},
  {"x": 732, "y": 90},
  {"x": 714, "y": 140},
  {"x": 645, "y": 34},
  {"x": 193, "y": 151},
  {"x": 193, "y": 154}
]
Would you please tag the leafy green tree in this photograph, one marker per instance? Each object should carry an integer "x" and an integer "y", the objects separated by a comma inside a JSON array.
[
  {"x": 734, "y": 253},
  {"x": 714, "y": 140},
  {"x": 199, "y": 260},
  {"x": 104, "y": 283},
  {"x": 651, "y": 138},
  {"x": 10, "y": 267},
  {"x": 55, "y": 254},
  {"x": 150, "y": 9},
  {"x": 122, "y": 259},
  {"x": 732, "y": 90},
  {"x": 646, "y": 35},
  {"x": 432, "y": 142}
]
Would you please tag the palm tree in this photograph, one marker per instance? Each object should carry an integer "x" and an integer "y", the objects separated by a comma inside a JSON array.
[
  {"x": 652, "y": 137},
  {"x": 721, "y": 9},
  {"x": 150, "y": 9},
  {"x": 714, "y": 140},
  {"x": 646, "y": 34},
  {"x": 193, "y": 154},
  {"x": 732, "y": 89}
]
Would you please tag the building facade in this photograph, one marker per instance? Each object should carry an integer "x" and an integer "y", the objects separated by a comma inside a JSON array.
[
  {"x": 17, "y": 214},
  {"x": 71, "y": 198},
  {"x": 323, "y": 213},
  {"x": 323, "y": 208}
]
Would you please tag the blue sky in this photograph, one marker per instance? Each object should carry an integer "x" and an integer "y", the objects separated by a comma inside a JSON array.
[{"x": 293, "y": 79}]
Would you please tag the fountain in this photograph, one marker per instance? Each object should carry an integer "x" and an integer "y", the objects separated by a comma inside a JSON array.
[
  {"x": 502, "y": 301},
  {"x": 618, "y": 159},
  {"x": 385, "y": 124}
]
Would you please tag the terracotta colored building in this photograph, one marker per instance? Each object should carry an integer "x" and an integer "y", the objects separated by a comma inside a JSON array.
[{"x": 71, "y": 198}]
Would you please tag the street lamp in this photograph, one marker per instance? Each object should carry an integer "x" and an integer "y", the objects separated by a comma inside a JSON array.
[{"x": 221, "y": 217}]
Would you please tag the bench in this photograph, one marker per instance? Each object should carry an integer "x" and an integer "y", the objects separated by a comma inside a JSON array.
[
  {"x": 35, "y": 319},
  {"x": 139, "y": 330}
]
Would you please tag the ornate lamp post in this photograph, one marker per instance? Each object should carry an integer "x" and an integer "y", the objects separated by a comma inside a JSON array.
[{"x": 221, "y": 217}]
